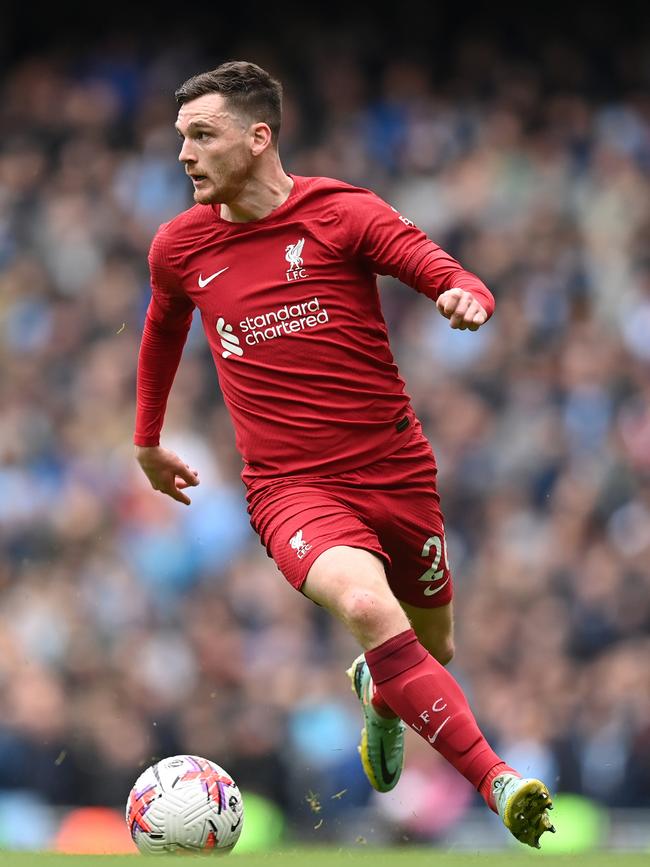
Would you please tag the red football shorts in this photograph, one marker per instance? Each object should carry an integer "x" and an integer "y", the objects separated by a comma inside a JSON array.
[{"x": 390, "y": 507}]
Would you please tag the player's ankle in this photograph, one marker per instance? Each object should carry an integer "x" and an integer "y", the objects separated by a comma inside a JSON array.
[{"x": 485, "y": 786}]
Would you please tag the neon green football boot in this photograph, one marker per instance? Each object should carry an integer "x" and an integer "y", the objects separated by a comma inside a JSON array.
[
  {"x": 382, "y": 740},
  {"x": 522, "y": 805}
]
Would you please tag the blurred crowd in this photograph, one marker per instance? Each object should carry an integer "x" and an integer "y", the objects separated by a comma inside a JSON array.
[{"x": 133, "y": 628}]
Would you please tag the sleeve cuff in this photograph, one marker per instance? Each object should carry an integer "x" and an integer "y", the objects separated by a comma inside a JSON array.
[{"x": 146, "y": 441}]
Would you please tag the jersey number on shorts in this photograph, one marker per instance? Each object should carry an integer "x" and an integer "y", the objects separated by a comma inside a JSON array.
[{"x": 434, "y": 573}]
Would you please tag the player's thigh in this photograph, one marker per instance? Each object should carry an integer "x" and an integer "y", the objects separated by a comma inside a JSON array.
[
  {"x": 410, "y": 527},
  {"x": 414, "y": 539},
  {"x": 325, "y": 550},
  {"x": 351, "y": 583},
  {"x": 434, "y": 628}
]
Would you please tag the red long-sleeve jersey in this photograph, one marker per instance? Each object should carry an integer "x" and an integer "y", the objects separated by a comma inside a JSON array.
[{"x": 290, "y": 308}]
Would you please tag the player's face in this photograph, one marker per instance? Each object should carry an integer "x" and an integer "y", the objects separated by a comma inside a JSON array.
[{"x": 216, "y": 149}]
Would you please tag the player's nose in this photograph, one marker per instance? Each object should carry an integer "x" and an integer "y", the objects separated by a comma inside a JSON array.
[{"x": 185, "y": 154}]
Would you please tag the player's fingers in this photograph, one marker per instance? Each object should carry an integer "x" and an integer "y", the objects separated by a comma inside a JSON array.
[
  {"x": 191, "y": 477},
  {"x": 181, "y": 484},
  {"x": 168, "y": 484},
  {"x": 480, "y": 317},
  {"x": 448, "y": 301},
  {"x": 458, "y": 318},
  {"x": 475, "y": 318},
  {"x": 177, "y": 495}
]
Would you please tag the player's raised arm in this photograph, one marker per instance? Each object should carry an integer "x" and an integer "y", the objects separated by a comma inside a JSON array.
[
  {"x": 393, "y": 244},
  {"x": 167, "y": 323}
]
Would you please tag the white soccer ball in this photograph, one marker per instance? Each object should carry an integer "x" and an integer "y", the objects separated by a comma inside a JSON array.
[{"x": 184, "y": 802}]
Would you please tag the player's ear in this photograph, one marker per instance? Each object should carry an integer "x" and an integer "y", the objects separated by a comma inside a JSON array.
[{"x": 261, "y": 138}]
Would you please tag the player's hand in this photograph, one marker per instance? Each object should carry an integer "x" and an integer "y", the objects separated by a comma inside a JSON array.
[
  {"x": 166, "y": 472},
  {"x": 461, "y": 309}
]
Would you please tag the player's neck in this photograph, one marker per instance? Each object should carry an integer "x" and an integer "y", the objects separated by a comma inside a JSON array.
[{"x": 261, "y": 195}]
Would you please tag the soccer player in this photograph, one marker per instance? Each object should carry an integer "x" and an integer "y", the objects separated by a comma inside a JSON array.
[{"x": 340, "y": 480}]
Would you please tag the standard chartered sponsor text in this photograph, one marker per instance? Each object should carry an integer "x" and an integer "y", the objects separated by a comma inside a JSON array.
[{"x": 285, "y": 320}]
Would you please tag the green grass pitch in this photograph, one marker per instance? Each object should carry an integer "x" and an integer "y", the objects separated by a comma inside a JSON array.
[{"x": 336, "y": 857}]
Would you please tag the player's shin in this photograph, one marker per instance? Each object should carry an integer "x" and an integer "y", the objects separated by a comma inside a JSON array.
[{"x": 430, "y": 701}]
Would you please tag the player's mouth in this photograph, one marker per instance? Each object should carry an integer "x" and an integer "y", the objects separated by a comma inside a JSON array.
[{"x": 198, "y": 179}]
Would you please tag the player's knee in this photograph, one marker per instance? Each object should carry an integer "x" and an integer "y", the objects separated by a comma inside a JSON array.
[{"x": 364, "y": 610}]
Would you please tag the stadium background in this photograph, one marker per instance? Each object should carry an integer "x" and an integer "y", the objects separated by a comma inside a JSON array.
[{"x": 132, "y": 628}]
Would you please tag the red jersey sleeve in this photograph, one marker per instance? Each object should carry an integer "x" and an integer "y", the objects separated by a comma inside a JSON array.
[
  {"x": 392, "y": 244},
  {"x": 168, "y": 320}
]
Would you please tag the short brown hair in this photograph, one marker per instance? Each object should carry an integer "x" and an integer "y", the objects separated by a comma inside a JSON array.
[{"x": 248, "y": 88}]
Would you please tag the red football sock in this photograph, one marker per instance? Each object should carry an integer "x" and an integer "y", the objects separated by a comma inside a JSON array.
[
  {"x": 485, "y": 788},
  {"x": 378, "y": 703},
  {"x": 429, "y": 700}
]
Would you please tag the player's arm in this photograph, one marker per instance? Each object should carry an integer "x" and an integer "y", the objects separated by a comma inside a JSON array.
[
  {"x": 392, "y": 244},
  {"x": 167, "y": 322}
]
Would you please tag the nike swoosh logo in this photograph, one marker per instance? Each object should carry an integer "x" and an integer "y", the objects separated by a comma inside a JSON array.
[
  {"x": 236, "y": 825},
  {"x": 203, "y": 283},
  {"x": 431, "y": 591},
  {"x": 388, "y": 776}
]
